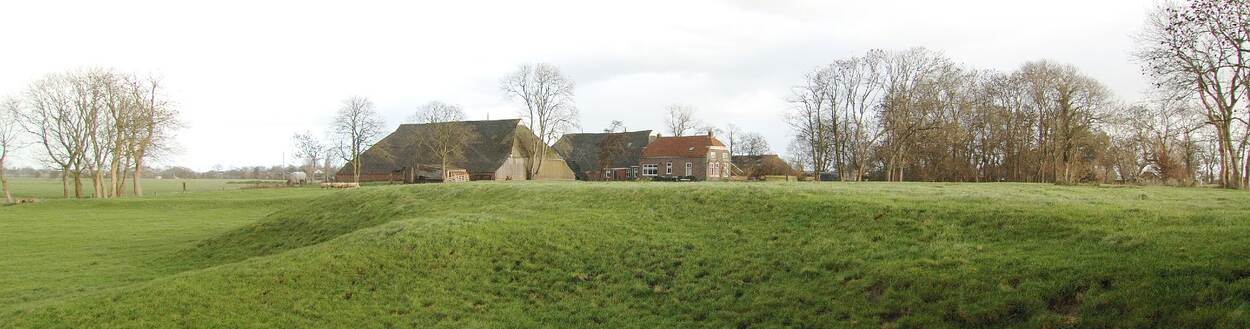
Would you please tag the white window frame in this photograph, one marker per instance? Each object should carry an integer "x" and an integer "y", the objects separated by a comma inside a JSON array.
[
  {"x": 650, "y": 169},
  {"x": 668, "y": 168},
  {"x": 689, "y": 168}
]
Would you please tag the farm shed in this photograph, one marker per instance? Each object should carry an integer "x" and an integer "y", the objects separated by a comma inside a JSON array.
[
  {"x": 604, "y": 156},
  {"x": 760, "y": 166}
]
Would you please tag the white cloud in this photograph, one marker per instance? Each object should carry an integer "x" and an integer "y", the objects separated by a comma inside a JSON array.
[{"x": 248, "y": 74}]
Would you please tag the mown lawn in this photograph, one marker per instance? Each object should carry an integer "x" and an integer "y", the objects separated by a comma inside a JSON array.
[
  {"x": 50, "y": 188},
  {"x": 58, "y": 248},
  {"x": 645, "y": 255}
]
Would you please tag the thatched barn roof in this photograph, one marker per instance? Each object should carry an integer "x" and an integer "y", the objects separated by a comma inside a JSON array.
[{"x": 490, "y": 144}]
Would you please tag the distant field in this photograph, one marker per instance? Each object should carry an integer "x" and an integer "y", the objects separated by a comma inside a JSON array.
[
  {"x": 44, "y": 188},
  {"x": 637, "y": 255}
]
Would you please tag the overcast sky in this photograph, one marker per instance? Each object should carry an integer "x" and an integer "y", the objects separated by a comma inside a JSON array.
[{"x": 246, "y": 75}]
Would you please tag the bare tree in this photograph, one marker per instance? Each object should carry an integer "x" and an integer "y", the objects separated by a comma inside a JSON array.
[
  {"x": 798, "y": 157},
  {"x": 680, "y": 119},
  {"x": 356, "y": 126},
  {"x": 856, "y": 85},
  {"x": 8, "y": 140},
  {"x": 311, "y": 150},
  {"x": 1080, "y": 103},
  {"x": 812, "y": 120},
  {"x": 733, "y": 133},
  {"x": 616, "y": 126},
  {"x": 122, "y": 109},
  {"x": 51, "y": 118},
  {"x": 437, "y": 111},
  {"x": 445, "y": 135},
  {"x": 549, "y": 110},
  {"x": 913, "y": 89},
  {"x": 1201, "y": 46},
  {"x": 753, "y": 144},
  {"x": 154, "y": 125}
]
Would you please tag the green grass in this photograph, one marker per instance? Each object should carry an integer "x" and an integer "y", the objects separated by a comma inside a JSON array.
[
  {"x": 50, "y": 188},
  {"x": 634, "y": 255}
]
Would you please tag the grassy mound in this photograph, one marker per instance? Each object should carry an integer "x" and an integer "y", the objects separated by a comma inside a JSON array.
[{"x": 706, "y": 255}]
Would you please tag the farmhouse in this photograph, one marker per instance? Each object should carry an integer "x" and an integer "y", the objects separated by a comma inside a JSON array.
[
  {"x": 604, "y": 156},
  {"x": 701, "y": 157},
  {"x": 494, "y": 150},
  {"x": 760, "y": 166}
]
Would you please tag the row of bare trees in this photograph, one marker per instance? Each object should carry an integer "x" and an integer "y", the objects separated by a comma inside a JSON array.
[
  {"x": 916, "y": 115},
  {"x": 97, "y": 125}
]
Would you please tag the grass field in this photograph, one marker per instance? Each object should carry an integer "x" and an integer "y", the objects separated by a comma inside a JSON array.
[
  {"x": 641, "y": 255},
  {"x": 45, "y": 188}
]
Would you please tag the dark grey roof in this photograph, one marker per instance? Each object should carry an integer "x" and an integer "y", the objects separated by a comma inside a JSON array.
[
  {"x": 490, "y": 146},
  {"x": 582, "y": 150}
]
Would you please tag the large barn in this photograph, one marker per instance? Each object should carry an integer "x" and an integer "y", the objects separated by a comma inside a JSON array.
[
  {"x": 604, "y": 156},
  {"x": 497, "y": 150}
]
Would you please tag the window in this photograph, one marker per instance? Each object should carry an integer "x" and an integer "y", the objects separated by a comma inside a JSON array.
[
  {"x": 668, "y": 168},
  {"x": 724, "y": 156},
  {"x": 650, "y": 169},
  {"x": 609, "y": 174},
  {"x": 689, "y": 169}
]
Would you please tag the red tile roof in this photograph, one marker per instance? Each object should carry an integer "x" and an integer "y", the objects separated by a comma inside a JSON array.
[{"x": 681, "y": 147}]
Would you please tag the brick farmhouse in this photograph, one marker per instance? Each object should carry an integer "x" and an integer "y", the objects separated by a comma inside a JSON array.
[{"x": 698, "y": 158}]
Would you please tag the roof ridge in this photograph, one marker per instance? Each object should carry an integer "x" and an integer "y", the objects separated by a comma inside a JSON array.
[{"x": 461, "y": 121}]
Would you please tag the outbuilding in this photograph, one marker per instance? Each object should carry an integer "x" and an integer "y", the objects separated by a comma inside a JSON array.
[{"x": 604, "y": 156}]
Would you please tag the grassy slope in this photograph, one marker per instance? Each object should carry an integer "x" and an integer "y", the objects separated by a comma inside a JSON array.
[{"x": 715, "y": 255}]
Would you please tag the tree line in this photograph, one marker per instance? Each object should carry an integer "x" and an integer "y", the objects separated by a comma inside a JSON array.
[
  {"x": 94, "y": 125},
  {"x": 916, "y": 115}
]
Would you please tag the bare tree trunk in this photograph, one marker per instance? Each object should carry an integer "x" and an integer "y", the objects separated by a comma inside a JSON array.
[
  {"x": 356, "y": 169},
  {"x": 4, "y": 181},
  {"x": 138, "y": 185},
  {"x": 77, "y": 182},
  {"x": 65, "y": 182}
]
